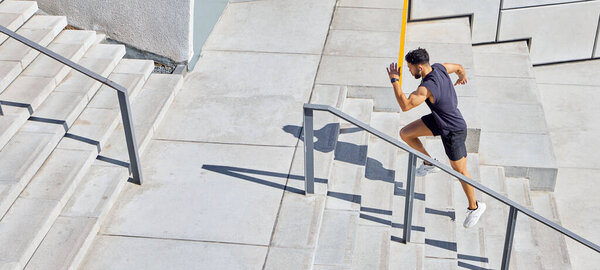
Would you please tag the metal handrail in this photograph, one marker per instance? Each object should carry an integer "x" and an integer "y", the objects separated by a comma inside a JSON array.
[
  {"x": 514, "y": 207},
  {"x": 124, "y": 104}
]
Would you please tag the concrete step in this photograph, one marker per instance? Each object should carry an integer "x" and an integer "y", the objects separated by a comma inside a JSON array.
[
  {"x": 32, "y": 214},
  {"x": 372, "y": 249},
  {"x": 471, "y": 241},
  {"x": 40, "y": 78},
  {"x": 39, "y": 29},
  {"x": 440, "y": 216},
  {"x": 326, "y": 128},
  {"x": 75, "y": 228},
  {"x": 350, "y": 158},
  {"x": 526, "y": 150},
  {"x": 44, "y": 137},
  {"x": 147, "y": 111},
  {"x": 296, "y": 235},
  {"x": 20, "y": 160},
  {"x": 337, "y": 239},
  {"x": 494, "y": 220},
  {"x": 525, "y": 249},
  {"x": 551, "y": 244},
  {"x": 101, "y": 185},
  {"x": 411, "y": 255},
  {"x": 66, "y": 102},
  {"x": 14, "y": 13}
]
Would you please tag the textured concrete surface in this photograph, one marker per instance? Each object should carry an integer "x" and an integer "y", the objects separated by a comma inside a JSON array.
[{"x": 167, "y": 32}]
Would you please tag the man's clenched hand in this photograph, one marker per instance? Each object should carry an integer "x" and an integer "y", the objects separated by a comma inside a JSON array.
[{"x": 393, "y": 71}]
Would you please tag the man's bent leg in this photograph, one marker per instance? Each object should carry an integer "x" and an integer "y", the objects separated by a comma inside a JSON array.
[
  {"x": 461, "y": 167},
  {"x": 411, "y": 133}
]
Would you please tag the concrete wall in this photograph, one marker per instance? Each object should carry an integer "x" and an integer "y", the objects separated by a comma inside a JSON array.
[
  {"x": 560, "y": 30},
  {"x": 163, "y": 27}
]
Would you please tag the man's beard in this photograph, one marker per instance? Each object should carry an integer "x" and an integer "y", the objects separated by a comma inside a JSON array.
[{"x": 418, "y": 76}]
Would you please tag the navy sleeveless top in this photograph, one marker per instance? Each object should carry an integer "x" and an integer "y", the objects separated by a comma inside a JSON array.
[{"x": 445, "y": 103}]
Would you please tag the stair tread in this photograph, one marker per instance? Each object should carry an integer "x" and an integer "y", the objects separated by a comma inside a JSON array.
[
  {"x": 50, "y": 187},
  {"x": 350, "y": 158}
]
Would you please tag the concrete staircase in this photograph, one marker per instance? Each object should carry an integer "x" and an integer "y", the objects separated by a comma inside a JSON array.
[
  {"x": 354, "y": 221},
  {"x": 63, "y": 157}
]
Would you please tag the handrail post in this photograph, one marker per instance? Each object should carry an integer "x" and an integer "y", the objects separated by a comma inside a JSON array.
[
  {"x": 510, "y": 234},
  {"x": 1, "y": 112},
  {"x": 409, "y": 195},
  {"x": 309, "y": 168},
  {"x": 134, "y": 160}
]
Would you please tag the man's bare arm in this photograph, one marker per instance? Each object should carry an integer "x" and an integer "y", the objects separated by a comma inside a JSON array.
[
  {"x": 459, "y": 70},
  {"x": 414, "y": 99}
]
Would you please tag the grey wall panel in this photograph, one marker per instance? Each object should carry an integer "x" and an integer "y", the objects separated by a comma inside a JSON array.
[
  {"x": 558, "y": 32},
  {"x": 485, "y": 14}
]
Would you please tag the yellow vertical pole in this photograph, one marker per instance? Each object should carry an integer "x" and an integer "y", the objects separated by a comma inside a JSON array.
[{"x": 403, "y": 37}]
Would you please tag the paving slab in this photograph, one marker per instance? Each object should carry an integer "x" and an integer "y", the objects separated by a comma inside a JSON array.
[
  {"x": 389, "y": 4},
  {"x": 355, "y": 71},
  {"x": 362, "y": 43},
  {"x": 253, "y": 75},
  {"x": 249, "y": 27},
  {"x": 566, "y": 41},
  {"x": 252, "y": 120},
  {"x": 213, "y": 196},
  {"x": 136, "y": 253},
  {"x": 367, "y": 19}
]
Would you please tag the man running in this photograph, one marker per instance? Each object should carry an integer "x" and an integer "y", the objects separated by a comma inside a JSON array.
[{"x": 445, "y": 120}]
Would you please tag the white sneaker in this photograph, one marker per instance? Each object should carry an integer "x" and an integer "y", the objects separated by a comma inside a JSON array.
[
  {"x": 425, "y": 169},
  {"x": 474, "y": 215}
]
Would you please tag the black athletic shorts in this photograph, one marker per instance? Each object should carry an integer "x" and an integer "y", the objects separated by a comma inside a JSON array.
[{"x": 454, "y": 141}]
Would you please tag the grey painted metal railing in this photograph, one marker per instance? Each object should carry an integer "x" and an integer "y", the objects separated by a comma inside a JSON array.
[
  {"x": 515, "y": 208},
  {"x": 124, "y": 104}
]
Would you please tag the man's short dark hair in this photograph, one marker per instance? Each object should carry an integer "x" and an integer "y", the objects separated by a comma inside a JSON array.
[{"x": 417, "y": 57}]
